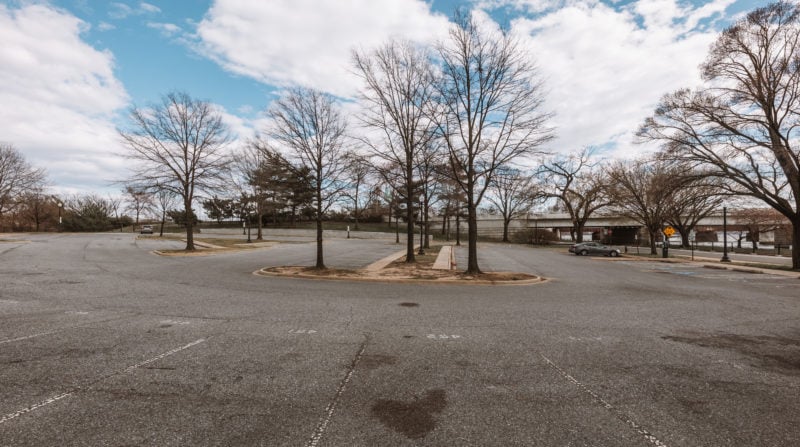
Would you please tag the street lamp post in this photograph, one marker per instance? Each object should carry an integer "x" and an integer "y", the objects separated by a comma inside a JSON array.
[
  {"x": 725, "y": 257},
  {"x": 421, "y": 224},
  {"x": 60, "y": 206}
]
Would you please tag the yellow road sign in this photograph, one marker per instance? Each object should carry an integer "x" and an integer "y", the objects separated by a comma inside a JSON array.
[{"x": 669, "y": 231}]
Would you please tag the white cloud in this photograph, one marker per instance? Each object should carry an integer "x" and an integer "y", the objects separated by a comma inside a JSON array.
[
  {"x": 59, "y": 96},
  {"x": 105, "y": 26},
  {"x": 118, "y": 10},
  {"x": 606, "y": 69},
  {"x": 308, "y": 42},
  {"x": 166, "y": 29},
  {"x": 147, "y": 7}
]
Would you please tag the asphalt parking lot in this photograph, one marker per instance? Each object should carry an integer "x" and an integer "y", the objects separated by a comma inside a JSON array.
[{"x": 104, "y": 343}]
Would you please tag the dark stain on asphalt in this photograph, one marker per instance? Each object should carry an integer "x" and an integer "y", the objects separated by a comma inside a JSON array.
[
  {"x": 413, "y": 419},
  {"x": 781, "y": 354},
  {"x": 695, "y": 406},
  {"x": 375, "y": 361},
  {"x": 409, "y": 304}
]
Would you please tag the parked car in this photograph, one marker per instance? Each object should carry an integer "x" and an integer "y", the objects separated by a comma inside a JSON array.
[
  {"x": 593, "y": 248},
  {"x": 146, "y": 229}
]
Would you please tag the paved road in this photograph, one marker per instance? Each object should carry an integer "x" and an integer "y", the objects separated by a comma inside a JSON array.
[{"x": 104, "y": 343}]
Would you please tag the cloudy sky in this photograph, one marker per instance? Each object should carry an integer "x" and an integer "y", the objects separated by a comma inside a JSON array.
[{"x": 70, "y": 70}]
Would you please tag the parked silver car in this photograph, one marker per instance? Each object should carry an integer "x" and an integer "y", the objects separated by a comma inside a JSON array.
[
  {"x": 146, "y": 229},
  {"x": 593, "y": 248}
]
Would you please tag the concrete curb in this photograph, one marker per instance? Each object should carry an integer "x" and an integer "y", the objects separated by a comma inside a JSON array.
[
  {"x": 717, "y": 266},
  {"x": 387, "y": 279}
]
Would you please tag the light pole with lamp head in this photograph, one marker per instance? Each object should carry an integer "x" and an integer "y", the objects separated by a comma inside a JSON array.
[
  {"x": 249, "y": 223},
  {"x": 421, "y": 223},
  {"x": 60, "y": 206}
]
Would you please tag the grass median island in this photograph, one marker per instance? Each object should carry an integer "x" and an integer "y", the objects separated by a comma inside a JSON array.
[
  {"x": 399, "y": 271},
  {"x": 209, "y": 245}
]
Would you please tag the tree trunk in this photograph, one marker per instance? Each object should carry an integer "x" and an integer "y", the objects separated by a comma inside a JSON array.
[
  {"x": 260, "y": 234},
  {"x": 458, "y": 229},
  {"x": 320, "y": 263},
  {"x": 410, "y": 229},
  {"x": 472, "y": 240},
  {"x": 652, "y": 234},
  {"x": 163, "y": 221},
  {"x": 796, "y": 244},
  {"x": 187, "y": 207},
  {"x": 505, "y": 229},
  {"x": 356, "y": 213},
  {"x": 577, "y": 231},
  {"x": 684, "y": 238}
]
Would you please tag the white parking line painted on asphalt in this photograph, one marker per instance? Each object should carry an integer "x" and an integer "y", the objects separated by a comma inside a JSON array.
[
  {"x": 173, "y": 322},
  {"x": 53, "y": 399},
  {"x": 302, "y": 331},
  {"x": 323, "y": 424},
  {"x": 443, "y": 337},
  {"x": 49, "y": 401},
  {"x": 26, "y": 337},
  {"x": 618, "y": 413},
  {"x": 10, "y": 340},
  {"x": 159, "y": 357}
]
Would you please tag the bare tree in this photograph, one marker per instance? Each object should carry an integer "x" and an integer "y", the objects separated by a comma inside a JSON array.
[
  {"x": 755, "y": 221},
  {"x": 166, "y": 200},
  {"x": 697, "y": 198},
  {"x": 512, "y": 193},
  {"x": 178, "y": 145},
  {"x": 139, "y": 202},
  {"x": 429, "y": 164},
  {"x": 115, "y": 206},
  {"x": 17, "y": 177},
  {"x": 579, "y": 184},
  {"x": 359, "y": 191},
  {"x": 308, "y": 123},
  {"x": 398, "y": 90},
  {"x": 36, "y": 207},
  {"x": 489, "y": 111},
  {"x": 452, "y": 203},
  {"x": 742, "y": 123},
  {"x": 641, "y": 191},
  {"x": 250, "y": 175}
]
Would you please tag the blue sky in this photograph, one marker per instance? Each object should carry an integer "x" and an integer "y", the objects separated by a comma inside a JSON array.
[{"x": 70, "y": 69}]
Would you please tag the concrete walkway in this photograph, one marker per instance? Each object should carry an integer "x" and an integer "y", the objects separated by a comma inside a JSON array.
[{"x": 444, "y": 261}]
